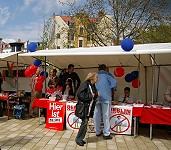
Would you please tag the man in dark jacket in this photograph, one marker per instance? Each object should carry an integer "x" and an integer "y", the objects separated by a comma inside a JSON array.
[{"x": 70, "y": 79}]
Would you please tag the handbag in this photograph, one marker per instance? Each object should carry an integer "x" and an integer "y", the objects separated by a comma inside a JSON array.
[{"x": 79, "y": 111}]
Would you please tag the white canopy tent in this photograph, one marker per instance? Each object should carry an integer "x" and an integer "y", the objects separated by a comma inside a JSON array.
[
  {"x": 142, "y": 55},
  {"x": 12, "y": 57},
  {"x": 110, "y": 55}
]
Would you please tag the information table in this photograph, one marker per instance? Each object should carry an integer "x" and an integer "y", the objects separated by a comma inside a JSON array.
[
  {"x": 55, "y": 112},
  {"x": 4, "y": 97},
  {"x": 148, "y": 114},
  {"x": 156, "y": 115}
]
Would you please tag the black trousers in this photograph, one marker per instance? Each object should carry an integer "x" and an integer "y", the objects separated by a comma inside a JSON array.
[
  {"x": 1, "y": 111},
  {"x": 82, "y": 131}
]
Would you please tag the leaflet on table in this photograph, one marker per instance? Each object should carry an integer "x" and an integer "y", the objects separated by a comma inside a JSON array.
[
  {"x": 43, "y": 99},
  {"x": 157, "y": 106},
  {"x": 138, "y": 105},
  {"x": 166, "y": 107}
]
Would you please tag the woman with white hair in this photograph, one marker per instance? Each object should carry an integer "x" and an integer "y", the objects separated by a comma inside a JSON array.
[{"x": 88, "y": 94}]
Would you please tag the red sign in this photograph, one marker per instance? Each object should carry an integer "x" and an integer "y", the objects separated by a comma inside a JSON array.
[{"x": 55, "y": 115}]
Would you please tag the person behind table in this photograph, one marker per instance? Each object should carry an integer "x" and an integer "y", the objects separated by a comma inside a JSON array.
[
  {"x": 105, "y": 84},
  {"x": 1, "y": 82},
  {"x": 167, "y": 102},
  {"x": 54, "y": 79},
  {"x": 86, "y": 93},
  {"x": 71, "y": 80},
  {"x": 126, "y": 98},
  {"x": 167, "y": 96},
  {"x": 34, "y": 94}
]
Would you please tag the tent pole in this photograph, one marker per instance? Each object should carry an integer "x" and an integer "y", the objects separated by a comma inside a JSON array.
[
  {"x": 153, "y": 79},
  {"x": 145, "y": 83},
  {"x": 45, "y": 74},
  {"x": 158, "y": 81},
  {"x": 17, "y": 76},
  {"x": 139, "y": 77}
]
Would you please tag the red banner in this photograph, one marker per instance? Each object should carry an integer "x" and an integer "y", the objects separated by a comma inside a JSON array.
[{"x": 55, "y": 115}]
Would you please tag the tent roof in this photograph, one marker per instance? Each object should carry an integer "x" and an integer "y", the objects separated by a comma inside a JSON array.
[
  {"x": 12, "y": 57},
  {"x": 109, "y": 55}
]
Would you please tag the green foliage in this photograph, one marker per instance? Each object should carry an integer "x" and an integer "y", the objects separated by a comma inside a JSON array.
[
  {"x": 157, "y": 34},
  {"x": 117, "y": 19}
]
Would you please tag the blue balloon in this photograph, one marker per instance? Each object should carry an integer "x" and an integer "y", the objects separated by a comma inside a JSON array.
[
  {"x": 37, "y": 62},
  {"x": 135, "y": 74},
  {"x": 129, "y": 77},
  {"x": 46, "y": 74},
  {"x": 42, "y": 73},
  {"x": 32, "y": 47},
  {"x": 127, "y": 44}
]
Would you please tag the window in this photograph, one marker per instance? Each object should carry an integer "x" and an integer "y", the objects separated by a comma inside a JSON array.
[
  {"x": 81, "y": 30},
  {"x": 88, "y": 38},
  {"x": 80, "y": 43},
  {"x": 58, "y": 36},
  {"x": 71, "y": 37}
]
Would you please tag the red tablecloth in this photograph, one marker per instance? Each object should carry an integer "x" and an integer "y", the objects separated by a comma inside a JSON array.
[
  {"x": 5, "y": 98},
  {"x": 41, "y": 103},
  {"x": 137, "y": 111},
  {"x": 156, "y": 116}
]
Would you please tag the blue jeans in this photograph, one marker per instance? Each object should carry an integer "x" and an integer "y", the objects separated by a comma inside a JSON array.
[{"x": 102, "y": 110}]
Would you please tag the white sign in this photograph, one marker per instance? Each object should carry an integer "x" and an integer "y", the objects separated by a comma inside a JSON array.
[
  {"x": 72, "y": 121},
  {"x": 121, "y": 119}
]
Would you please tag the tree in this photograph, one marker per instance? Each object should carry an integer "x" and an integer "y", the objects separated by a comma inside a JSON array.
[
  {"x": 48, "y": 34},
  {"x": 117, "y": 19},
  {"x": 158, "y": 34}
]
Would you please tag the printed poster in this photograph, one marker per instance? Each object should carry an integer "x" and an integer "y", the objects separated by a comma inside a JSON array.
[
  {"x": 72, "y": 121},
  {"x": 121, "y": 119}
]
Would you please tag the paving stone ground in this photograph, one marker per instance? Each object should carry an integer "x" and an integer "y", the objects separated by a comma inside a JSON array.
[{"x": 17, "y": 134}]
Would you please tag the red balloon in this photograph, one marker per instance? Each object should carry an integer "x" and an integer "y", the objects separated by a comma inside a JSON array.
[
  {"x": 33, "y": 69},
  {"x": 39, "y": 86},
  {"x": 41, "y": 79},
  {"x": 27, "y": 73},
  {"x": 136, "y": 83},
  {"x": 119, "y": 72}
]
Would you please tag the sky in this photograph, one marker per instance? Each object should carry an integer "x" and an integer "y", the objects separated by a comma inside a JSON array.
[{"x": 23, "y": 19}]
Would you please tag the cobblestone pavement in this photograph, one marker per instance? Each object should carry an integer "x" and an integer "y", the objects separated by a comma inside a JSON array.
[{"x": 16, "y": 134}]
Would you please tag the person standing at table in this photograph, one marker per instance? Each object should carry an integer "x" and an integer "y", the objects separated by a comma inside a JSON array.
[
  {"x": 105, "y": 84},
  {"x": 88, "y": 94},
  {"x": 54, "y": 79},
  {"x": 126, "y": 98},
  {"x": 34, "y": 94},
  {"x": 1, "y": 81},
  {"x": 167, "y": 96},
  {"x": 167, "y": 102},
  {"x": 70, "y": 79}
]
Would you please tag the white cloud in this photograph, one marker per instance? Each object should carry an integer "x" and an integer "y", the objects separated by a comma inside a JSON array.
[
  {"x": 44, "y": 5},
  {"x": 26, "y": 4},
  {"x": 31, "y": 32},
  {"x": 4, "y": 15}
]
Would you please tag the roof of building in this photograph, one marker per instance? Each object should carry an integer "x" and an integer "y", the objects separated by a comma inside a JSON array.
[{"x": 67, "y": 18}]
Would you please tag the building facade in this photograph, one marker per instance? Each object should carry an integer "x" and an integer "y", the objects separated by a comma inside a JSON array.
[{"x": 79, "y": 31}]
